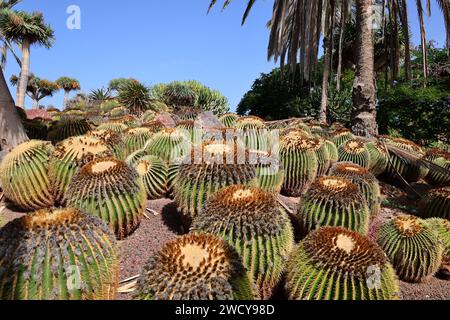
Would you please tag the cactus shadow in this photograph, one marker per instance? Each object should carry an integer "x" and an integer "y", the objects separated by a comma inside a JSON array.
[{"x": 172, "y": 219}]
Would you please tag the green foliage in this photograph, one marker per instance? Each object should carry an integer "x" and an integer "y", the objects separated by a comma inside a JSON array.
[
  {"x": 117, "y": 84},
  {"x": 179, "y": 94},
  {"x": 98, "y": 96},
  {"x": 135, "y": 96}
]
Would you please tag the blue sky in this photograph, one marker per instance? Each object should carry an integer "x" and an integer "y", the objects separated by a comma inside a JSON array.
[{"x": 161, "y": 41}]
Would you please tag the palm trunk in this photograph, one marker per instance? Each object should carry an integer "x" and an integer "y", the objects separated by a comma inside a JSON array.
[
  {"x": 4, "y": 55},
  {"x": 35, "y": 104},
  {"x": 423, "y": 38},
  {"x": 66, "y": 98},
  {"x": 405, "y": 27},
  {"x": 23, "y": 82},
  {"x": 364, "y": 114},
  {"x": 12, "y": 132},
  {"x": 343, "y": 22},
  {"x": 325, "y": 81}
]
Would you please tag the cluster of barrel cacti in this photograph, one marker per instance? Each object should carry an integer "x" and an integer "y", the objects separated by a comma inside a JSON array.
[{"x": 240, "y": 241}]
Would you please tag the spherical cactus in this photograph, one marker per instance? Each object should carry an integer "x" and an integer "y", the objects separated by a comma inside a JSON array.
[
  {"x": 36, "y": 129},
  {"x": 366, "y": 182},
  {"x": 68, "y": 128},
  {"x": 333, "y": 201},
  {"x": 337, "y": 264},
  {"x": 112, "y": 190},
  {"x": 69, "y": 156},
  {"x": 378, "y": 157},
  {"x": 148, "y": 116},
  {"x": 318, "y": 129},
  {"x": 211, "y": 167},
  {"x": 128, "y": 120},
  {"x": 340, "y": 136},
  {"x": 332, "y": 151},
  {"x": 136, "y": 138},
  {"x": 300, "y": 126},
  {"x": 413, "y": 248},
  {"x": 323, "y": 156},
  {"x": 269, "y": 173},
  {"x": 112, "y": 126},
  {"x": 154, "y": 174},
  {"x": 355, "y": 151},
  {"x": 299, "y": 162},
  {"x": 191, "y": 132},
  {"x": 254, "y": 133},
  {"x": 252, "y": 221},
  {"x": 229, "y": 119},
  {"x": 24, "y": 175},
  {"x": 59, "y": 254},
  {"x": 118, "y": 112},
  {"x": 436, "y": 204},
  {"x": 171, "y": 145},
  {"x": 113, "y": 140},
  {"x": 154, "y": 126},
  {"x": 442, "y": 228},
  {"x": 410, "y": 170},
  {"x": 442, "y": 159},
  {"x": 195, "y": 267}
]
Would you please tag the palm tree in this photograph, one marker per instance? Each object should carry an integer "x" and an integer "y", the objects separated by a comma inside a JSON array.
[
  {"x": 37, "y": 89},
  {"x": 26, "y": 30},
  {"x": 68, "y": 85},
  {"x": 135, "y": 96},
  {"x": 6, "y": 44}
]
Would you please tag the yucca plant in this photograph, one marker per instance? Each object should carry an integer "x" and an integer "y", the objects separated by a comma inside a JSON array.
[
  {"x": 412, "y": 246},
  {"x": 179, "y": 94},
  {"x": 337, "y": 264},
  {"x": 135, "y": 96},
  {"x": 195, "y": 267},
  {"x": 24, "y": 175},
  {"x": 252, "y": 221},
  {"x": 58, "y": 254}
]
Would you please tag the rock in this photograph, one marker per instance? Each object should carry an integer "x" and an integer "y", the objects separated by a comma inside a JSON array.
[
  {"x": 166, "y": 119},
  {"x": 207, "y": 121}
]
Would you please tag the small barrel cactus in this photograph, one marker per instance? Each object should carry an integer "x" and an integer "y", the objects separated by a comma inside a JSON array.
[
  {"x": 412, "y": 246},
  {"x": 191, "y": 132},
  {"x": 442, "y": 228},
  {"x": 269, "y": 174},
  {"x": 129, "y": 120},
  {"x": 136, "y": 138},
  {"x": 253, "y": 131},
  {"x": 148, "y": 116},
  {"x": 341, "y": 135},
  {"x": 252, "y": 221},
  {"x": 154, "y": 126},
  {"x": 111, "y": 126},
  {"x": 58, "y": 254},
  {"x": 436, "y": 204},
  {"x": 332, "y": 151},
  {"x": 24, "y": 175},
  {"x": 118, "y": 112},
  {"x": 229, "y": 119},
  {"x": 355, "y": 151},
  {"x": 68, "y": 128},
  {"x": 366, "y": 182},
  {"x": 68, "y": 157},
  {"x": 112, "y": 190},
  {"x": 113, "y": 140},
  {"x": 334, "y": 263},
  {"x": 442, "y": 159},
  {"x": 195, "y": 267},
  {"x": 171, "y": 145},
  {"x": 323, "y": 157},
  {"x": 212, "y": 166},
  {"x": 299, "y": 161},
  {"x": 154, "y": 174},
  {"x": 318, "y": 129},
  {"x": 378, "y": 157},
  {"x": 333, "y": 201}
]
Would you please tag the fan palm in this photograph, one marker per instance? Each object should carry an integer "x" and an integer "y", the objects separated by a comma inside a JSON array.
[
  {"x": 25, "y": 29},
  {"x": 68, "y": 85},
  {"x": 37, "y": 89}
]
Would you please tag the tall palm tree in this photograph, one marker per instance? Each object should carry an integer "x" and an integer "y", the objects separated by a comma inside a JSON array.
[
  {"x": 8, "y": 4},
  {"x": 37, "y": 89},
  {"x": 26, "y": 30},
  {"x": 68, "y": 84}
]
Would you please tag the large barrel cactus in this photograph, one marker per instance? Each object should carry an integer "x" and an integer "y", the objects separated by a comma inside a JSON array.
[
  {"x": 412, "y": 246},
  {"x": 211, "y": 167},
  {"x": 229, "y": 119},
  {"x": 341, "y": 135},
  {"x": 129, "y": 120},
  {"x": 442, "y": 228},
  {"x": 112, "y": 190},
  {"x": 59, "y": 254},
  {"x": 299, "y": 162},
  {"x": 378, "y": 157},
  {"x": 195, "y": 267},
  {"x": 366, "y": 182},
  {"x": 441, "y": 159},
  {"x": 68, "y": 128},
  {"x": 332, "y": 151},
  {"x": 252, "y": 221},
  {"x": 112, "y": 126},
  {"x": 269, "y": 173},
  {"x": 171, "y": 145},
  {"x": 436, "y": 204},
  {"x": 24, "y": 175},
  {"x": 113, "y": 140},
  {"x": 136, "y": 138},
  {"x": 323, "y": 156},
  {"x": 254, "y": 133},
  {"x": 333, "y": 201},
  {"x": 69, "y": 156},
  {"x": 354, "y": 150},
  {"x": 337, "y": 264}
]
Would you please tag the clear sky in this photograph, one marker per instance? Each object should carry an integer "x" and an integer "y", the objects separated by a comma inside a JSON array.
[{"x": 161, "y": 41}]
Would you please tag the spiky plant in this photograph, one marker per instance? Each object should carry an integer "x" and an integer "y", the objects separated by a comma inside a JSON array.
[
  {"x": 354, "y": 150},
  {"x": 113, "y": 126},
  {"x": 340, "y": 136},
  {"x": 58, "y": 254},
  {"x": 318, "y": 130},
  {"x": 254, "y": 133},
  {"x": 332, "y": 151},
  {"x": 323, "y": 156},
  {"x": 129, "y": 120},
  {"x": 69, "y": 156},
  {"x": 171, "y": 145},
  {"x": 154, "y": 175},
  {"x": 436, "y": 204},
  {"x": 333, "y": 201},
  {"x": 378, "y": 157},
  {"x": 113, "y": 140},
  {"x": 211, "y": 167},
  {"x": 300, "y": 126},
  {"x": 148, "y": 116},
  {"x": 135, "y": 97},
  {"x": 195, "y": 267},
  {"x": 178, "y": 95},
  {"x": 269, "y": 173},
  {"x": 118, "y": 112},
  {"x": 252, "y": 221},
  {"x": 136, "y": 138},
  {"x": 36, "y": 129},
  {"x": 442, "y": 228},
  {"x": 192, "y": 133},
  {"x": 24, "y": 175},
  {"x": 68, "y": 128},
  {"x": 334, "y": 263},
  {"x": 299, "y": 161},
  {"x": 183, "y": 113},
  {"x": 366, "y": 182},
  {"x": 112, "y": 190},
  {"x": 410, "y": 170},
  {"x": 229, "y": 119},
  {"x": 441, "y": 159},
  {"x": 413, "y": 248},
  {"x": 154, "y": 126}
]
